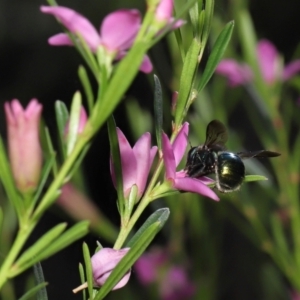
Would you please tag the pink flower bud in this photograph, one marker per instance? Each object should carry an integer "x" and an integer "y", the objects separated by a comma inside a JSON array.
[
  {"x": 25, "y": 152},
  {"x": 104, "y": 262},
  {"x": 82, "y": 121},
  {"x": 164, "y": 10}
]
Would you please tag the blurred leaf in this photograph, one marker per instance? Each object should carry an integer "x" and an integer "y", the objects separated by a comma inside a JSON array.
[
  {"x": 9, "y": 183},
  {"x": 116, "y": 158},
  {"x": 62, "y": 117},
  {"x": 1, "y": 219},
  {"x": 64, "y": 240},
  {"x": 29, "y": 294},
  {"x": 186, "y": 80},
  {"x": 139, "y": 119},
  {"x": 39, "y": 278},
  {"x": 216, "y": 54},
  {"x": 158, "y": 110},
  {"x": 88, "y": 268},
  {"x": 74, "y": 121},
  {"x": 249, "y": 178},
  {"x": 82, "y": 279},
  {"x": 130, "y": 258},
  {"x": 44, "y": 176},
  {"x": 87, "y": 87},
  {"x": 39, "y": 246},
  {"x": 160, "y": 215},
  {"x": 119, "y": 84}
]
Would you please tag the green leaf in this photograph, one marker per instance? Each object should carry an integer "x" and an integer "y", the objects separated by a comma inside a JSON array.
[
  {"x": 62, "y": 117},
  {"x": 64, "y": 240},
  {"x": 82, "y": 279},
  {"x": 216, "y": 54},
  {"x": 40, "y": 245},
  {"x": 161, "y": 215},
  {"x": 9, "y": 183},
  {"x": 88, "y": 268},
  {"x": 119, "y": 84},
  {"x": 116, "y": 158},
  {"x": 158, "y": 110},
  {"x": 129, "y": 259},
  {"x": 82, "y": 74},
  {"x": 208, "y": 16},
  {"x": 250, "y": 178},
  {"x": 186, "y": 80},
  {"x": 29, "y": 294},
  {"x": 1, "y": 219},
  {"x": 74, "y": 122},
  {"x": 45, "y": 174},
  {"x": 39, "y": 279}
]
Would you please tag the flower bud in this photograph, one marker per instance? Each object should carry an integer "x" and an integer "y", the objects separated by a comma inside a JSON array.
[
  {"x": 104, "y": 262},
  {"x": 24, "y": 147}
]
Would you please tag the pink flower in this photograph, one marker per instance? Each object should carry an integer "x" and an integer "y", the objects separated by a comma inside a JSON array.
[
  {"x": 104, "y": 262},
  {"x": 172, "y": 155},
  {"x": 269, "y": 62},
  {"x": 117, "y": 32},
  {"x": 164, "y": 12},
  {"x": 172, "y": 280},
  {"x": 136, "y": 162},
  {"x": 177, "y": 285},
  {"x": 24, "y": 147}
]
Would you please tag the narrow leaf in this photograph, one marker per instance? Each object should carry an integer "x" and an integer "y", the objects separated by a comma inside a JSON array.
[
  {"x": 29, "y": 294},
  {"x": 82, "y": 279},
  {"x": 40, "y": 245},
  {"x": 1, "y": 219},
  {"x": 8, "y": 181},
  {"x": 62, "y": 117},
  {"x": 87, "y": 87},
  {"x": 249, "y": 178},
  {"x": 186, "y": 80},
  {"x": 216, "y": 54},
  {"x": 88, "y": 268},
  {"x": 73, "y": 122},
  {"x": 158, "y": 110},
  {"x": 161, "y": 215},
  {"x": 116, "y": 158},
  {"x": 39, "y": 279},
  {"x": 129, "y": 259}
]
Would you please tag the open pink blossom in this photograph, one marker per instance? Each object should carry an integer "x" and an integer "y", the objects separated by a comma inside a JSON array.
[
  {"x": 172, "y": 155},
  {"x": 25, "y": 153},
  {"x": 104, "y": 262},
  {"x": 172, "y": 280},
  {"x": 269, "y": 62},
  {"x": 136, "y": 162},
  {"x": 117, "y": 32}
]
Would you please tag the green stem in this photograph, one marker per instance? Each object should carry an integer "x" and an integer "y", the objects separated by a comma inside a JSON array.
[{"x": 18, "y": 244}]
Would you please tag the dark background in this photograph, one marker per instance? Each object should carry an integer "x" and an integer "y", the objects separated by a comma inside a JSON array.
[{"x": 29, "y": 68}]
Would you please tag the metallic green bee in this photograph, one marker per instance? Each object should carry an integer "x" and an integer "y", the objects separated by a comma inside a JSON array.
[{"x": 212, "y": 157}]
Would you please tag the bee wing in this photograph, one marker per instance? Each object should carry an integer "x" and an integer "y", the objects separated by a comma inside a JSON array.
[
  {"x": 259, "y": 153},
  {"x": 216, "y": 133}
]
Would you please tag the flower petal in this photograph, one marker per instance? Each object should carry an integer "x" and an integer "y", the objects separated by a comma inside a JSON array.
[
  {"x": 236, "y": 74},
  {"x": 168, "y": 157},
  {"x": 103, "y": 263},
  {"x": 194, "y": 185},
  {"x": 141, "y": 151},
  {"x": 60, "y": 39},
  {"x": 291, "y": 69},
  {"x": 146, "y": 66},
  {"x": 180, "y": 143},
  {"x": 268, "y": 60},
  {"x": 129, "y": 163},
  {"x": 119, "y": 29},
  {"x": 75, "y": 23}
]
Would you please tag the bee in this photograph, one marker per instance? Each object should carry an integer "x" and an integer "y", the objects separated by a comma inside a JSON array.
[{"x": 212, "y": 157}]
